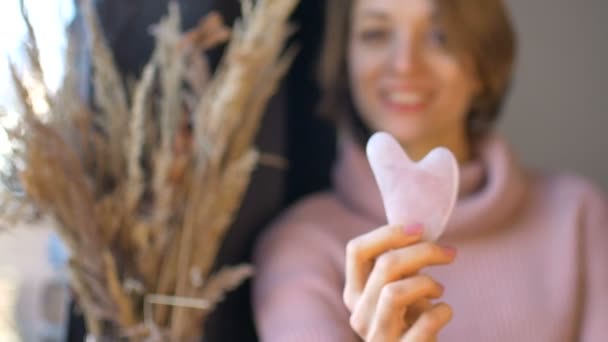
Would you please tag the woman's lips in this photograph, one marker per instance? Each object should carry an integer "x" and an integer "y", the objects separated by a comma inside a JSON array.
[{"x": 404, "y": 102}]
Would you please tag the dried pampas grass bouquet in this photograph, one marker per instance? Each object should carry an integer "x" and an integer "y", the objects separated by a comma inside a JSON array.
[{"x": 144, "y": 181}]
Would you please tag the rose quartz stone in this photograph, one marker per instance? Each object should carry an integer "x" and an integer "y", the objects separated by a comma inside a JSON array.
[{"x": 414, "y": 193}]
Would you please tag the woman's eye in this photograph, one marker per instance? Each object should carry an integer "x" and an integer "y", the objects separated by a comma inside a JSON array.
[
  {"x": 373, "y": 35},
  {"x": 437, "y": 37}
]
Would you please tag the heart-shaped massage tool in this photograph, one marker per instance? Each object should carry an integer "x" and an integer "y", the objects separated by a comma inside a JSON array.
[{"x": 414, "y": 193}]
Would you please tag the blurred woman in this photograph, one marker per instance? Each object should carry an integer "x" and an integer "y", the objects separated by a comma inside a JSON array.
[{"x": 527, "y": 250}]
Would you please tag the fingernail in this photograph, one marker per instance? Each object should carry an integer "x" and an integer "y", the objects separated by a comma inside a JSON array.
[
  {"x": 450, "y": 251},
  {"x": 415, "y": 229}
]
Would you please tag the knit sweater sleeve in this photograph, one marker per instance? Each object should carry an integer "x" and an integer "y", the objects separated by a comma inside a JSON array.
[
  {"x": 297, "y": 288},
  {"x": 595, "y": 315}
]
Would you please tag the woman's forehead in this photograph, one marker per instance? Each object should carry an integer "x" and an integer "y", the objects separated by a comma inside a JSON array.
[{"x": 393, "y": 8}]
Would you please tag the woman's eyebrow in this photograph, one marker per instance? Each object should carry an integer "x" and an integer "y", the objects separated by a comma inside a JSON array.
[{"x": 374, "y": 14}]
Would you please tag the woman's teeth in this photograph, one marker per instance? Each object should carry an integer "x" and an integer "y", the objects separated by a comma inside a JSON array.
[{"x": 405, "y": 98}]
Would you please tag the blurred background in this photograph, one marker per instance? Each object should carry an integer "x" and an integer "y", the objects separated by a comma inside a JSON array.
[
  {"x": 33, "y": 296},
  {"x": 558, "y": 111},
  {"x": 555, "y": 118}
]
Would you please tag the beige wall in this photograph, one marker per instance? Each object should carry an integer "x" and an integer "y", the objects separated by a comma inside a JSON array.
[{"x": 558, "y": 112}]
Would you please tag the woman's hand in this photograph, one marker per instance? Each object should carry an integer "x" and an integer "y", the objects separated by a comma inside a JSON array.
[{"x": 388, "y": 298}]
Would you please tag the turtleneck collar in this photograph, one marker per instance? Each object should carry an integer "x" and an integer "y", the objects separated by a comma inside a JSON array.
[{"x": 491, "y": 187}]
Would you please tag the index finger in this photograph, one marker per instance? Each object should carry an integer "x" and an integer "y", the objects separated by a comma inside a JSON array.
[{"x": 363, "y": 250}]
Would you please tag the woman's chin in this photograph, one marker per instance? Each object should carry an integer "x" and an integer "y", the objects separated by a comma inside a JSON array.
[{"x": 406, "y": 137}]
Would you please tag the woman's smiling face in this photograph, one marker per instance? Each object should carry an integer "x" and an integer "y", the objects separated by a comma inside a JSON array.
[{"x": 404, "y": 80}]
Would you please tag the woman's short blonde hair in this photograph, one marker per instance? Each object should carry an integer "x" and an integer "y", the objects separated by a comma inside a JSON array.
[{"x": 478, "y": 31}]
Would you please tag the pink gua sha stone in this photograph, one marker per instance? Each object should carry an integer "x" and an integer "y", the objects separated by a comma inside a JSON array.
[{"x": 414, "y": 193}]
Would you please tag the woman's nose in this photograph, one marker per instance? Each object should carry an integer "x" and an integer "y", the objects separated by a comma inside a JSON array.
[{"x": 404, "y": 58}]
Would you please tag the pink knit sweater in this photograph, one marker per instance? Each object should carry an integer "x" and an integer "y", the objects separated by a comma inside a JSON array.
[{"x": 532, "y": 262}]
